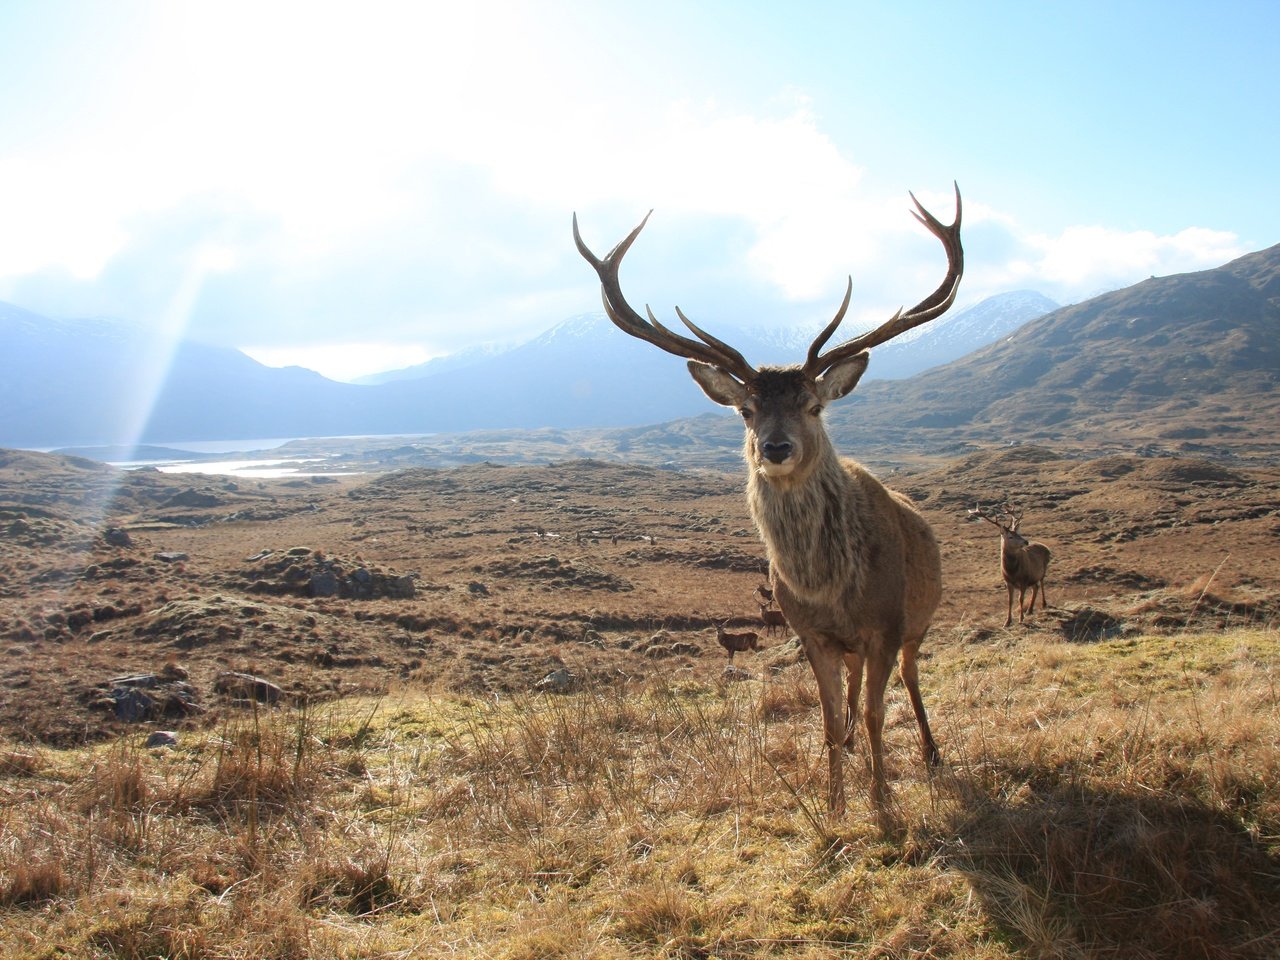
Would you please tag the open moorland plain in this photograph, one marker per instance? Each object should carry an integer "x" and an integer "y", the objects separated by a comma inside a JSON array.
[{"x": 482, "y": 711}]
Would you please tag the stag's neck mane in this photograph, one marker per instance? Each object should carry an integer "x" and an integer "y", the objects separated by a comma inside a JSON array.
[{"x": 812, "y": 528}]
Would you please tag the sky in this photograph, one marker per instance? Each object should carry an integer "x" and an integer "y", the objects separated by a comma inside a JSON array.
[{"x": 355, "y": 187}]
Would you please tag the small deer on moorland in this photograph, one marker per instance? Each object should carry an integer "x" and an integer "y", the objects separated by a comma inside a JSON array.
[
  {"x": 764, "y": 595},
  {"x": 856, "y": 570},
  {"x": 736, "y": 642},
  {"x": 772, "y": 619},
  {"x": 1023, "y": 563}
]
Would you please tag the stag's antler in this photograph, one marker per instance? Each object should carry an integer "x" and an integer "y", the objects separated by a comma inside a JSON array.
[
  {"x": 711, "y": 350},
  {"x": 981, "y": 513},
  {"x": 719, "y": 354},
  {"x": 934, "y": 305},
  {"x": 1014, "y": 516},
  {"x": 1008, "y": 518}
]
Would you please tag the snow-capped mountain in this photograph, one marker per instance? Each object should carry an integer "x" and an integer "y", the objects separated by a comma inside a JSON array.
[
  {"x": 436, "y": 365},
  {"x": 954, "y": 335},
  {"x": 100, "y": 381}
]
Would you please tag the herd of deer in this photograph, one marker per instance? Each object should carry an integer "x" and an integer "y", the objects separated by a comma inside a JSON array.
[{"x": 855, "y": 569}]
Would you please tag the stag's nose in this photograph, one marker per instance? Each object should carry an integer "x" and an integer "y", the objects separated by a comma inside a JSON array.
[{"x": 776, "y": 451}]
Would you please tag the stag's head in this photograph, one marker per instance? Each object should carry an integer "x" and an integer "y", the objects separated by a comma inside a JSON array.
[{"x": 781, "y": 407}]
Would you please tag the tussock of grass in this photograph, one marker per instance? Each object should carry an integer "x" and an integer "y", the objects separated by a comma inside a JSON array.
[{"x": 1116, "y": 799}]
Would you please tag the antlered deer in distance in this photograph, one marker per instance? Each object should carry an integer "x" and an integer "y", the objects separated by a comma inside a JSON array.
[
  {"x": 1023, "y": 563},
  {"x": 734, "y": 642},
  {"x": 856, "y": 569}
]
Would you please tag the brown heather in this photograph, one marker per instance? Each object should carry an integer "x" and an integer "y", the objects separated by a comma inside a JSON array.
[
  {"x": 1109, "y": 785},
  {"x": 1119, "y": 799}
]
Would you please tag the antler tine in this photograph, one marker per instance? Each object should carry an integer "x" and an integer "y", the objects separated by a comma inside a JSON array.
[
  {"x": 713, "y": 342},
  {"x": 1000, "y": 515},
  {"x": 982, "y": 514},
  {"x": 626, "y": 318},
  {"x": 1014, "y": 514},
  {"x": 934, "y": 305},
  {"x": 830, "y": 328}
]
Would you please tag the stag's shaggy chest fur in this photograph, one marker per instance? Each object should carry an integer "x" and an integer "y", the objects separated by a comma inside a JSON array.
[
  {"x": 852, "y": 560},
  {"x": 814, "y": 533}
]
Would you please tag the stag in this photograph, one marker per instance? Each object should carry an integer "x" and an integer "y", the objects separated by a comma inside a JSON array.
[
  {"x": 857, "y": 570},
  {"x": 735, "y": 642},
  {"x": 1023, "y": 563}
]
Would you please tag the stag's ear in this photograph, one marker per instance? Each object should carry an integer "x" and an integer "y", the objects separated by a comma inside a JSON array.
[
  {"x": 718, "y": 385},
  {"x": 843, "y": 377}
]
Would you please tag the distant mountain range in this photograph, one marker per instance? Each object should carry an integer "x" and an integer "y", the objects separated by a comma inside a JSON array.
[
  {"x": 103, "y": 383},
  {"x": 950, "y": 337},
  {"x": 1186, "y": 364}
]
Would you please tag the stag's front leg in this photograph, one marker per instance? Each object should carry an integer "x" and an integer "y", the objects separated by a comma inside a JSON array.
[
  {"x": 878, "y": 668},
  {"x": 1008, "y": 620},
  {"x": 827, "y": 671}
]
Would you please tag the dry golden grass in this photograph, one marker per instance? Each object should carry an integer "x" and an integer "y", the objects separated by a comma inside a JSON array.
[{"x": 1120, "y": 799}]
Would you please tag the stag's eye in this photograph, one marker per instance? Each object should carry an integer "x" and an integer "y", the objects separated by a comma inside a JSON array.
[
  {"x": 747, "y": 412},
  {"x": 815, "y": 410}
]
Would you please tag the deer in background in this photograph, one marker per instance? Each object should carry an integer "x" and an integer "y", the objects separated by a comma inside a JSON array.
[
  {"x": 1023, "y": 563},
  {"x": 856, "y": 570},
  {"x": 772, "y": 619},
  {"x": 735, "y": 642}
]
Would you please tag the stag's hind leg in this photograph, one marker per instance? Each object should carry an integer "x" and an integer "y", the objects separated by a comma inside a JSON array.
[
  {"x": 853, "y": 665},
  {"x": 910, "y": 673},
  {"x": 1035, "y": 589}
]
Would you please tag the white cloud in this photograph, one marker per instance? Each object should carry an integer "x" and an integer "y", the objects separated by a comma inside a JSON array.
[
  {"x": 342, "y": 361},
  {"x": 1084, "y": 254},
  {"x": 404, "y": 176},
  {"x": 1082, "y": 261}
]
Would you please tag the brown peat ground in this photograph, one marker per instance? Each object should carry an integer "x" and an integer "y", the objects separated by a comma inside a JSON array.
[{"x": 491, "y": 719}]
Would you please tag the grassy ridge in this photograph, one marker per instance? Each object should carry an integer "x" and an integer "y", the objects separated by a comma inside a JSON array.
[{"x": 1118, "y": 799}]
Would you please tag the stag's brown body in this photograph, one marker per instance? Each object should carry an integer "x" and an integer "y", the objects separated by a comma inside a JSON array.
[
  {"x": 857, "y": 573},
  {"x": 1023, "y": 565},
  {"x": 1024, "y": 568},
  {"x": 856, "y": 569}
]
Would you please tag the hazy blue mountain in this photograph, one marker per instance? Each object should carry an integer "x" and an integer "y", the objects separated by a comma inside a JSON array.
[
  {"x": 466, "y": 357},
  {"x": 582, "y": 372},
  {"x": 943, "y": 340},
  {"x": 102, "y": 381},
  {"x": 953, "y": 335},
  {"x": 1189, "y": 361},
  {"x": 1005, "y": 367}
]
